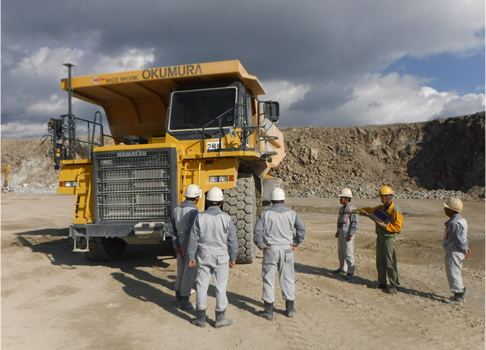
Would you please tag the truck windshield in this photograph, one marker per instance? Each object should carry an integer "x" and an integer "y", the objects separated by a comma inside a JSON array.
[{"x": 195, "y": 108}]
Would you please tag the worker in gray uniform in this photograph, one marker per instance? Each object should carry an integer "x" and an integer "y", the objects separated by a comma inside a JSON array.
[
  {"x": 347, "y": 225},
  {"x": 214, "y": 243},
  {"x": 274, "y": 235},
  {"x": 455, "y": 243},
  {"x": 182, "y": 219}
]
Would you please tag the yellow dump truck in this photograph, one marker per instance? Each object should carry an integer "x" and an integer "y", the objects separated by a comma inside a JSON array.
[{"x": 172, "y": 126}]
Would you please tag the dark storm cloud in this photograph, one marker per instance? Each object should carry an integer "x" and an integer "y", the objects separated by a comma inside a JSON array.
[
  {"x": 278, "y": 39},
  {"x": 325, "y": 45}
]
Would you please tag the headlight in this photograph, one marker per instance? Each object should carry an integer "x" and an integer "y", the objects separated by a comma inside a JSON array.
[
  {"x": 68, "y": 184},
  {"x": 218, "y": 179}
]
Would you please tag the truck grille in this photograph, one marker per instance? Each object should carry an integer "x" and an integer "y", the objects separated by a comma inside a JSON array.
[{"x": 134, "y": 185}]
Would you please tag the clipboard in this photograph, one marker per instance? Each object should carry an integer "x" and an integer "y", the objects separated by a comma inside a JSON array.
[{"x": 379, "y": 215}]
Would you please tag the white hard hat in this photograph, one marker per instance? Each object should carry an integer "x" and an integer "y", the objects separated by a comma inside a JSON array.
[
  {"x": 277, "y": 194},
  {"x": 346, "y": 192},
  {"x": 193, "y": 191},
  {"x": 215, "y": 195},
  {"x": 454, "y": 204}
]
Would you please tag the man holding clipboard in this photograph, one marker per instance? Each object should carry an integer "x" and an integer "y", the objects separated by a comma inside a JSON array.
[{"x": 388, "y": 220}]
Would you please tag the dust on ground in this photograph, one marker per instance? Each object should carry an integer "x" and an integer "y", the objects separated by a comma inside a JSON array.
[{"x": 53, "y": 298}]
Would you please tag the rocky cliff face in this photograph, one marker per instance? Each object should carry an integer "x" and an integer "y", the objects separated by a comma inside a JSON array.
[
  {"x": 445, "y": 154},
  {"x": 451, "y": 154},
  {"x": 414, "y": 159}
]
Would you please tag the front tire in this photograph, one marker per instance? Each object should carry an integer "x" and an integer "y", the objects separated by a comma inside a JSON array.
[
  {"x": 240, "y": 204},
  {"x": 104, "y": 249}
]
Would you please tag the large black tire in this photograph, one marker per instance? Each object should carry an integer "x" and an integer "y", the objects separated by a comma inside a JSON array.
[
  {"x": 240, "y": 204},
  {"x": 103, "y": 249}
]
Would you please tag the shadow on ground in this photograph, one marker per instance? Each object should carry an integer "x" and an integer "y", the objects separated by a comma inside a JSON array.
[
  {"x": 58, "y": 247},
  {"x": 148, "y": 293},
  {"x": 138, "y": 286},
  {"x": 322, "y": 271},
  {"x": 137, "y": 283}
]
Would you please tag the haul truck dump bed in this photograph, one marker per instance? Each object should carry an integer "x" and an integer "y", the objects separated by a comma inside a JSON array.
[{"x": 173, "y": 126}]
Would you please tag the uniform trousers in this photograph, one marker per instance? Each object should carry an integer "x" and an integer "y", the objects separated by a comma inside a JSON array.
[
  {"x": 453, "y": 262},
  {"x": 278, "y": 258},
  {"x": 386, "y": 259},
  {"x": 186, "y": 276},
  {"x": 217, "y": 267},
  {"x": 346, "y": 253}
]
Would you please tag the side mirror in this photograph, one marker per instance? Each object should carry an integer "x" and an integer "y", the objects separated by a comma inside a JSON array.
[{"x": 271, "y": 111}]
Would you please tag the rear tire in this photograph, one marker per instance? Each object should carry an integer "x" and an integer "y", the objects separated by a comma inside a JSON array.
[
  {"x": 104, "y": 249},
  {"x": 240, "y": 204}
]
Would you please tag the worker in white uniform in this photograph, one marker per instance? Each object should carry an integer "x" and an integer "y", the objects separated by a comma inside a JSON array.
[
  {"x": 455, "y": 243},
  {"x": 347, "y": 225},
  {"x": 274, "y": 235},
  {"x": 214, "y": 243},
  {"x": 183, "y": 217}
]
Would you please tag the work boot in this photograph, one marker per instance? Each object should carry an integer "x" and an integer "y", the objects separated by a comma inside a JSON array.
[
  {"x": 185, "y": 304},
  {"x": 337, "y": 271},
  {"x": 268, "y": 312},
  {"x": 458, "y": 298},
  {"x": 289, "y": 305},
  {"x": 392, "y": 290},
  {"x": 453, "y": 299},
  {"x": 221, "y": 321},
  {"x": 463, "y": 296},
  {"x": 200, "y": 319},
  {"x": 178, "y": 298},
  {"x": 377, "y": 285}
]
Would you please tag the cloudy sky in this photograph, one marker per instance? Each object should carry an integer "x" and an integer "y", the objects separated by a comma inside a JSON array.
[{"x": 328, "y": 63}]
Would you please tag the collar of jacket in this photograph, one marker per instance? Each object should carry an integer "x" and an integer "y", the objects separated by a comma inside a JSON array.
[
  {"x": 390, "y": 208},
  {"x": 214, "y": 208},
  {"x": 347, "y": 206},
  {"x": 451, "y": 218}
]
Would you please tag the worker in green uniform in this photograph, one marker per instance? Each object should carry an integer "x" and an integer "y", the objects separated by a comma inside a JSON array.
[{"x": 386, "y": 231}]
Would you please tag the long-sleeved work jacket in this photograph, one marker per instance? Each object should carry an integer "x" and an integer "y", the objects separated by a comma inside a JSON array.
[
  {"x": 347, "y": 223},
  {"x": 393, "y": 225},
  {"x": 182, "y": 220},
  {"x": 455, "y": 235},
  {"x": 276, "y": 226},
  {"x": 213, "y": 233}
]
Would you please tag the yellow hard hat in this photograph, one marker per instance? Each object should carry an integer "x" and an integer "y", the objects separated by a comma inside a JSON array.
[
  {"x": 384, "y": 191},
  {"x": 454, "y": 204}
]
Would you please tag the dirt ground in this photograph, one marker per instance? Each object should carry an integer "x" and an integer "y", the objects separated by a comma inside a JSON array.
[{"x": 52, "y": 298}]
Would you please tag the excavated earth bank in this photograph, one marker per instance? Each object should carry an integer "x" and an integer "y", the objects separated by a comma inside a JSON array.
[{"x": 436, "y": 159}]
